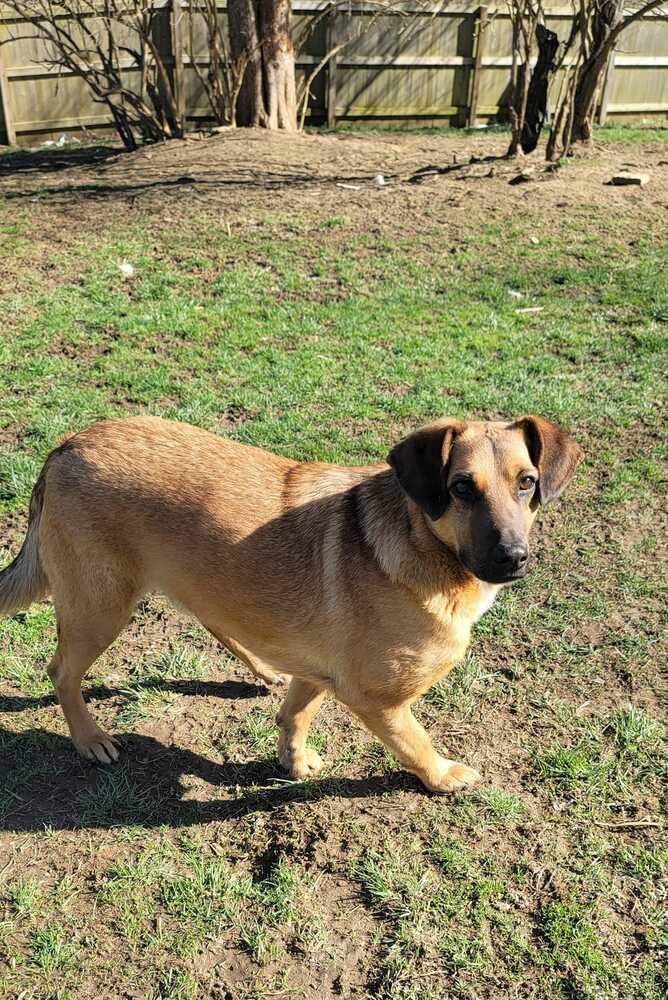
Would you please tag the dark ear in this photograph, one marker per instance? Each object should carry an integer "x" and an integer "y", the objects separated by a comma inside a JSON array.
[
  {"x": 554, "y": 453},
  {"x": 420, "y": 462}
]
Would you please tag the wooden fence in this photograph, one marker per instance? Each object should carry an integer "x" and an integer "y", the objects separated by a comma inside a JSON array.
[{"x": 448, "y": 66}]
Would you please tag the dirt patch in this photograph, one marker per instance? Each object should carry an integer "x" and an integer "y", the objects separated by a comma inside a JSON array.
[{"x": 246, "y": 174}]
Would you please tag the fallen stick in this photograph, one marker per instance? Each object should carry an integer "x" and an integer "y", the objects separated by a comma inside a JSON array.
[{"x": 627, "y": 824}]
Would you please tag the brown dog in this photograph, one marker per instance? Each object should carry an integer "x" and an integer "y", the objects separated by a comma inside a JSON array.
[{"x": 364, "y": 582}]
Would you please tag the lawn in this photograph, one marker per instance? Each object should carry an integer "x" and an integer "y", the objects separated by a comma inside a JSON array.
[{"x": 324, "y": 323}]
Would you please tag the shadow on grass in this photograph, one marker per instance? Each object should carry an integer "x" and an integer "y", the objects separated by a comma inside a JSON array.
[
  {"x": 100, "y": 692},
  {"x": 46, "y": 786}
]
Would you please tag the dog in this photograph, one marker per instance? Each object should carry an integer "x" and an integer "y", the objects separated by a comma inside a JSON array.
[{"x": 363, "y": 582}]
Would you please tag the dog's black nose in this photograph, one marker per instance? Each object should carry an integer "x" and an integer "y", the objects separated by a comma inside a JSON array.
[{"x": 511, "y": 555}]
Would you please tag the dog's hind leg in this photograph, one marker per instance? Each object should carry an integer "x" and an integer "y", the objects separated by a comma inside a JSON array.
[
  {"x": 262, "y": 670},
  {"x": 84, "y": 632},
  {"x": 294, "y": 719}
]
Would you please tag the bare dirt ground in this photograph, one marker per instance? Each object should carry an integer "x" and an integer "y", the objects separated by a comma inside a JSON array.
[{"x": 241, "y": 172}]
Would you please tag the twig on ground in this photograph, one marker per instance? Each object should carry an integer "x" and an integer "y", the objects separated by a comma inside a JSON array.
[{"x": 628, "y": 824}]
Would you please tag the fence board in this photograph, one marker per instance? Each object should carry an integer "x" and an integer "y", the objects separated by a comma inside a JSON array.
[
  {"x": 479, "y": 31},
  {"x": 177, "y": 54},
  {"x": 606, "y": 89},
  {"x": 332, "y": 69},
  {"x": 7, "y": 130}
]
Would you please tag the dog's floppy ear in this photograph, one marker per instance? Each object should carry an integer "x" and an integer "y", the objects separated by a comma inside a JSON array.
[
  {"x": 420, "y": 462},
  {"x": 554, "y": 453}
]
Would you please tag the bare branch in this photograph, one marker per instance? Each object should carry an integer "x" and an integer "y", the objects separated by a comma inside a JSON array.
[{"x": 88, "y": 39}]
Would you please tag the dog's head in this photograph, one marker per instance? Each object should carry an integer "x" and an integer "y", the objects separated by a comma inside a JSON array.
[{"x": 480, "y": 485}]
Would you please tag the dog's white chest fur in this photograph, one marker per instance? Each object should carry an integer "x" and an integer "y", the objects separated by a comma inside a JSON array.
[
  {"x": 465, "y": 609},
  {"x": 453, "y": 620},
  {"x": 488, "y": 594}
]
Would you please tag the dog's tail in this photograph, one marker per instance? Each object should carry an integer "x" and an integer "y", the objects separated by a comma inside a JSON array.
[{"x": 24, "y": 580}]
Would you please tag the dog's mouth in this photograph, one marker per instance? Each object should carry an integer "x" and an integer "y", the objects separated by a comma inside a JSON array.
[
  {"x": 518, "y": 574},
  {"x": 494, "y": 574}
]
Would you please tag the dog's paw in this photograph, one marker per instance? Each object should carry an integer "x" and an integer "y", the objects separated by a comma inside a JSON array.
[
  {"x": 270, "y": 679},
  {"x": 454, "y": 778},
  {"x": 98, "y": 746},
  {"x": 302, "y": 763},
  {"x": 278, "y": 680}
]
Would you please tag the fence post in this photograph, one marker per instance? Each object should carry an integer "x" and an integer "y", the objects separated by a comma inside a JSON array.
[
  {"x": 607, "y": 89},
  {"x": 330, "y": 43},
  {"x": 176, "y": 37},
  {"x": 6, "y": 119},
  {"x": 476, "y": 69}
]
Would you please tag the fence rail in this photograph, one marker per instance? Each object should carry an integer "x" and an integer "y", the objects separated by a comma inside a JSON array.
[{"x": 449, "y": 65}]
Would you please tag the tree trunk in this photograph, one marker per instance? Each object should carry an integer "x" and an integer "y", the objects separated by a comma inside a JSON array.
[
  {"x": 262, "y": 50},
  {"x": 585, "y": 93},
  {"x": 247, "y": 57},
  {"x": 516, "y": 110},
  {"x": 278, "y": 57},
  {"x": 604, "y": 21}
]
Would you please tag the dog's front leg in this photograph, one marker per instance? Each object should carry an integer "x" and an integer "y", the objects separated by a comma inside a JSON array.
[
  {"x": 294, "y": 719},
  {"x": 401, "y": 733}
]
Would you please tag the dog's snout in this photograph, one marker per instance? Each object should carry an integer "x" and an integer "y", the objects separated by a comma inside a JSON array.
[{"x": 511, "y": 555}]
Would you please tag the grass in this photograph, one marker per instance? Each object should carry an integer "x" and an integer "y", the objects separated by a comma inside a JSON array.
[
  {"x": 151, "y": 682},
  {"x": 449, "y": 904},
  {"x": 188, "y": 871},
  {"x": 201, "y": 899},
  {"x": 25, "y": 895},
  {"x": 605, "y": 758},
  {"x": 502, "y": 807},
  {"x": 602, "y": 133},
  {"x": 51, "y": 952},
  {"x": 573, "y": 942}
]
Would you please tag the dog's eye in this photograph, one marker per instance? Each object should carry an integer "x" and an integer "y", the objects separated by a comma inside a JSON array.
[
  {"x": 527, "y": 483},
  {"x": 462, "y": 488}
]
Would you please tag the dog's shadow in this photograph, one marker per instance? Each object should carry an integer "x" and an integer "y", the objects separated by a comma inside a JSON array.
[
  {"x": 45, "y": 785},
  {"x": 100, "y": 692}
]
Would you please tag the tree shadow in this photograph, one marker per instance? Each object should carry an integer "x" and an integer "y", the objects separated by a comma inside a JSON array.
[
  {"x": 49, "y": 787},
  {"x": 247, "y": 179},
  {"x": 258, "y": 179},
  {"x": 53, "y": 158}
]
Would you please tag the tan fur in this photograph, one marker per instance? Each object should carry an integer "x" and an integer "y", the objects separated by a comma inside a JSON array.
[{"x": 331, "y": 575}]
